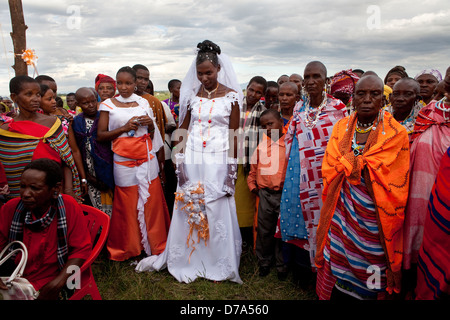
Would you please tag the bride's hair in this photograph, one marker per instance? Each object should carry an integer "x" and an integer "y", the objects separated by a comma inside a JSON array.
[{"x": 208, "y": 50}]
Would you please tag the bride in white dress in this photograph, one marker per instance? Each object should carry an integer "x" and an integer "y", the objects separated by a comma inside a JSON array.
[{"x": 204, "y": 238}]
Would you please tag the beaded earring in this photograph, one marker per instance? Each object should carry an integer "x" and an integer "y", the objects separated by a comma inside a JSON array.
[
  {"x": 327, "y": 87},
  {"x": 381, "y": 118}
]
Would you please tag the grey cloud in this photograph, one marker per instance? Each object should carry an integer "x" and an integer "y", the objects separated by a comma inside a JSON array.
[{"x": 263, "y": 37}]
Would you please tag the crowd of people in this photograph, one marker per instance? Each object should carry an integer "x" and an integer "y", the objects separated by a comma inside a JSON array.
[{"x": 340, "y": 180}]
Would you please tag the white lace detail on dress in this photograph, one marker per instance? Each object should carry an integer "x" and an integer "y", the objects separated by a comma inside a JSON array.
[
  {"x": 225, "y": 267},
  {"x": 175, "y": 253},
  {"x": 221, "y": 230},
  {"x": 238, "y": 246}
]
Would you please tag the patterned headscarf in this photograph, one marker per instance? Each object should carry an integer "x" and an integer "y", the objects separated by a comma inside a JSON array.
[
  {"x": 433, "y": 72},
  {"x": 344, "y": 81},
  {"x": 104, "y": 78},
  {"x": 401, "y": 71}
]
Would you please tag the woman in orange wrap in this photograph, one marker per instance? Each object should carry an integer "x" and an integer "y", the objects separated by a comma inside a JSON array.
[
  {"x": 365, "y": 174},
  {"x": 140, "y": 218}
]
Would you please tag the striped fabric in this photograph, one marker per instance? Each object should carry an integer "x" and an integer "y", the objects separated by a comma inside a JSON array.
[
  {"x": 311, "y": 149},
  {"x": 15, "y": 156},
  {"x": 22, "y": 218},
  {"x": 17, "y": 150},
  {"x": 430, "y": 143},
  {"x": 60, "y": 144},
  {"x": 433, "y": 274},
  {"x": 249, "y": 133},
  {"x": 384, "y": 165},
  {"x": 353, "y": 249}
]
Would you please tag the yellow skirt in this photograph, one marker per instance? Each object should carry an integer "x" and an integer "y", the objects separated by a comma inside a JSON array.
[{"x": 245, "y": 200}]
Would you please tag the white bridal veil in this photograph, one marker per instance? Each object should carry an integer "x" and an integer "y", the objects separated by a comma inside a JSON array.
[{"x": 191, "y": 85}]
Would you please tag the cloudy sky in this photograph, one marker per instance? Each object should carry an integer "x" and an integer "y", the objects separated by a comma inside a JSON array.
[{"x": 76, "y": 40}]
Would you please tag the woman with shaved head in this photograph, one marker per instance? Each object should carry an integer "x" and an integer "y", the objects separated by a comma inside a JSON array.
[
  {"x": 306, "y": 139},
  {"x": 365, "y": 174},
  {"x": 405, "y": 103}
]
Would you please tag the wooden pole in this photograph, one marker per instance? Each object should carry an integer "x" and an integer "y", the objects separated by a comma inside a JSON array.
[{"x": 18, "y": 36}]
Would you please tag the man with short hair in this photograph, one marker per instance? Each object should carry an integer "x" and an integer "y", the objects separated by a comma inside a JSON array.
[
  {"x": 71, "y": 103},
  {"x": 142, "y": 81},
  {"x": 298, "y": 80},
  {"x": 248, "y": 142}
]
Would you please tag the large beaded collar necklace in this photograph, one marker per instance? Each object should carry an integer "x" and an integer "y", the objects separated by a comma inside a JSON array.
[{"x": 312, "y": 115}]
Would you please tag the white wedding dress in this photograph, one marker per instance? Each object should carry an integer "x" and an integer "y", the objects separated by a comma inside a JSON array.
[{"x": 216, "y": 258}]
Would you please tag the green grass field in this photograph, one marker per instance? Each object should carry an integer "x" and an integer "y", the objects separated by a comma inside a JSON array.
[{"x": 119, "y": 281}]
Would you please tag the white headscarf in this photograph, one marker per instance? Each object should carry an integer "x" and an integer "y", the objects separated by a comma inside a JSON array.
[
  {"x": 191, "y": 85},
  {"x": 433, "y": 72}
]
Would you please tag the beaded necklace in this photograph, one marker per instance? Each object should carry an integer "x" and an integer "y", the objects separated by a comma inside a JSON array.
[
  {"x": 209, "y": 119},
  {"x": 440, "y": 105},
  {"x": 357, "y": 147},
  {"x": 410, "y": 120},
  {"x": 312, "y": 116},
  {"x": 364, "y": 127},
  {"x": 364, "y": 130}
]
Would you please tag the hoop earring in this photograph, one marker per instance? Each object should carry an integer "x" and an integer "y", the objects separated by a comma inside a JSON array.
[{"x": 135, "y": 88}]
